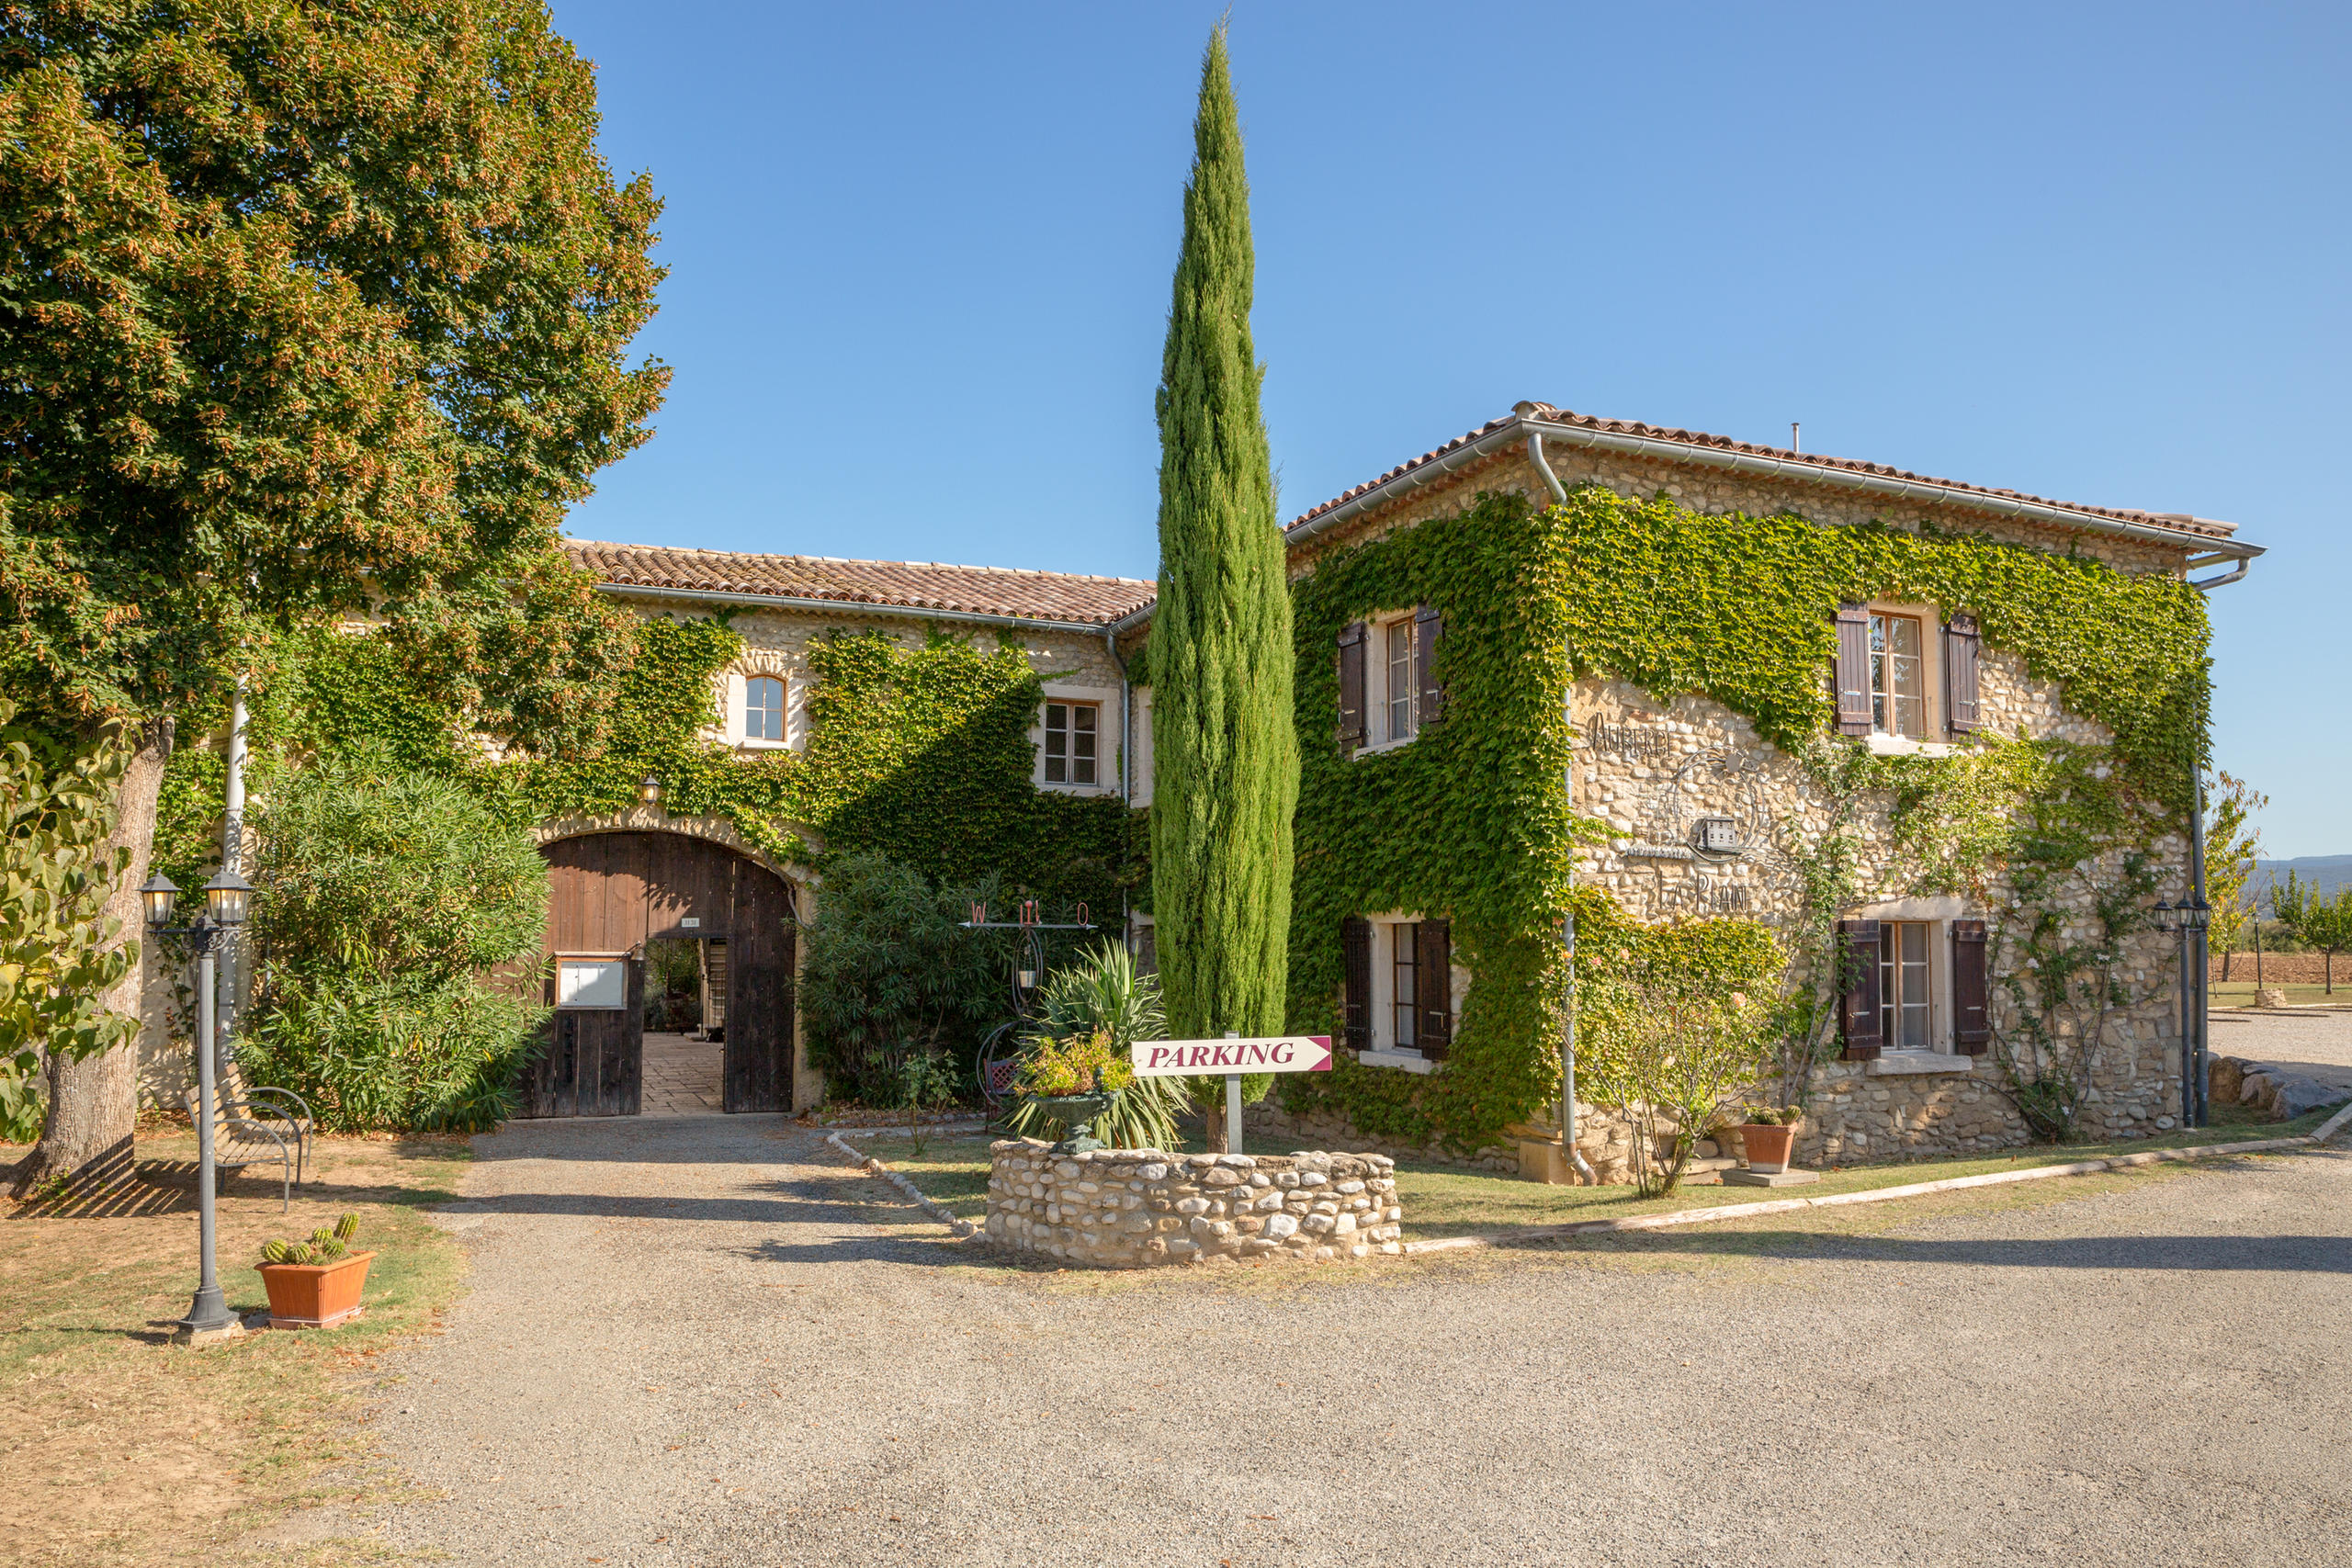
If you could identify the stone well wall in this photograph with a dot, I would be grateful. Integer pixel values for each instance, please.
(1141, 1208)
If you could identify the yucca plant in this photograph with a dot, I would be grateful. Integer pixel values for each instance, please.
(1104, 994)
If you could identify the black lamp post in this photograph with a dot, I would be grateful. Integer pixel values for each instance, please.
(2189, 918)
(225, 897)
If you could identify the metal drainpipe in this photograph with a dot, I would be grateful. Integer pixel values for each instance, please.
(1571, 1155)
(1126, 747)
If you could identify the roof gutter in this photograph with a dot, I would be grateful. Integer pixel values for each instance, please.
(864, 606)
(1534, 433)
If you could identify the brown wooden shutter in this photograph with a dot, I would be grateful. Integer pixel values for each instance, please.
(1858, 1014)
(1352, 686)
(1972, 1024)
(1852, 685)
(1427, 626)
(1433, 987)
(1961, 648)
(1355, 953)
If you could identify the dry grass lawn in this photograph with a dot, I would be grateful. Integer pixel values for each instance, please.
(121, 1447)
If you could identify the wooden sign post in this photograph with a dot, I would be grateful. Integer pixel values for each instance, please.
(1233, 1056)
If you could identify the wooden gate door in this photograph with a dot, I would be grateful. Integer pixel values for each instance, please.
(608, 894)
(594, 1060)
(759, 992)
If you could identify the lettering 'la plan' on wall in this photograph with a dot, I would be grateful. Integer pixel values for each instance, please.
(1269, 1053)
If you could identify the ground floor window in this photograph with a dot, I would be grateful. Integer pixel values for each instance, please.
(1905, 1010)
(1397, 990)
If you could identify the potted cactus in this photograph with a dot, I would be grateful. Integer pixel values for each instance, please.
(1767, 1136)
(314, 1284)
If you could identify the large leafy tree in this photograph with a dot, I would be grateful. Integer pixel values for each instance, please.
(1226, 775)
(309, 309)
(2315, 919)
(58, 953)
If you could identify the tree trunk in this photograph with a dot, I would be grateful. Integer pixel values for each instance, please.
(1213, 1122)
(93, 1102)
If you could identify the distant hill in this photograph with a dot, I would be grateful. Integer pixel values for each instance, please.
(2326, 873)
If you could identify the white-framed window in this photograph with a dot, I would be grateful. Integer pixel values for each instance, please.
(1899, 675)
(1073, 744)
(1906, 986)
(1076, 740)
(1400, 989)
(764, 708)
(1399, 694)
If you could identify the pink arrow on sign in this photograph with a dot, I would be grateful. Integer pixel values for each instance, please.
(1266, 1054)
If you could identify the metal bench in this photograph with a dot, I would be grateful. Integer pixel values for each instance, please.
(257, 1125)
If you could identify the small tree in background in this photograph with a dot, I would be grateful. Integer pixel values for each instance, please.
(59, 953)
(2316, 920)
(2232, 843)
(385, 898)
(1226, 774)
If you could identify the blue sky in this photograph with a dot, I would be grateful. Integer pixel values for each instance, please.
(919, 259)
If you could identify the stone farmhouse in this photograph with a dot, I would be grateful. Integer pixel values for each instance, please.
(1669, 637)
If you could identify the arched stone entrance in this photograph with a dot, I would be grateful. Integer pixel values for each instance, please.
(610, 893)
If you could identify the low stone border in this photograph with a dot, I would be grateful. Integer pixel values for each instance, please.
(965, 1230)
(2327, 1130)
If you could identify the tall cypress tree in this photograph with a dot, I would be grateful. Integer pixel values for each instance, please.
(1226, 776)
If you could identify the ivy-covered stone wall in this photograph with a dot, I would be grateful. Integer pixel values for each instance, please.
(2058, 822)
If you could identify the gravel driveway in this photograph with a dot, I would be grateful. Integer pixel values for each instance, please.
(2314, 1043)
(709, 1342)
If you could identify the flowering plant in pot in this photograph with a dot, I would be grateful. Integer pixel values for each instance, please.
(1768, 1134)
(314, 1284)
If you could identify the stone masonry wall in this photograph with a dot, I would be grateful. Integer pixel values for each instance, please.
(1141, 1208)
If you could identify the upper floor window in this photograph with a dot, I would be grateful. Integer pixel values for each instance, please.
(1898, 677)
(1388, 691)
(764, 708)
(1072, 737)
(1886, 680)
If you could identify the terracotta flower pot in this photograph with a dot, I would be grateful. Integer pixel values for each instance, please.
(315, 1295)
(1767, 1147)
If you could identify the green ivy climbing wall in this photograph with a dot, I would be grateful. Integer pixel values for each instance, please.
(1471, 819)
(921, 753)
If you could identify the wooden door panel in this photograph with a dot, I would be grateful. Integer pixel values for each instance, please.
(607, 892)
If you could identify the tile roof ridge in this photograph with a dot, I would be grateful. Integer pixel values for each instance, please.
(2192, 527)
(858, 560)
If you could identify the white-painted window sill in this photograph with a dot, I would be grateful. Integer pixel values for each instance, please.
(1882, 745)
(1076, 789)
(1377, 748)
(1411, 1063)
(751, 743)
(1892, 1063)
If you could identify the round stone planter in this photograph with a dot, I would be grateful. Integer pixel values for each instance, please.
(1143, 1209)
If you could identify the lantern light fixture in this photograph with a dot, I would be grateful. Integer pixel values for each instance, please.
(158, 893)
(649, 790)
(226, 896)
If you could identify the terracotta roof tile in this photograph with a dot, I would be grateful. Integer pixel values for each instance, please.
(2191, 528)
(926, 585)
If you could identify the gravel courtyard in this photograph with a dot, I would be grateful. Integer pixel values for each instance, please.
(707, 1340)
